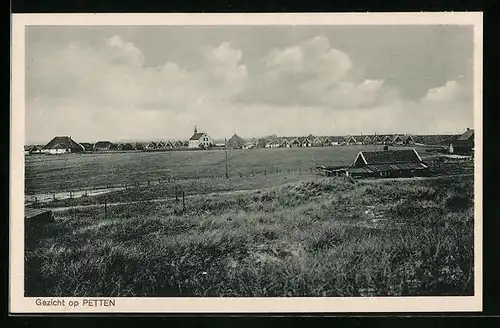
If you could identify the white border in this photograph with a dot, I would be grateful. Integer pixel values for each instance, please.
(21, 304)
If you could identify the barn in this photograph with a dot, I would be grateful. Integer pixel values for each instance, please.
(235, 142)
(464, 144)
(388, 163)
(103, 145)
(62, 145)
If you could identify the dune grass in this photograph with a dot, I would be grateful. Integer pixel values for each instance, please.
(327, 237)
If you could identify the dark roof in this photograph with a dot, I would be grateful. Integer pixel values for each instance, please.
(63, 142)
(443, 139)
(235, 140)
(197, 136)
(103, 144)
(303, 139)
(463, 143)
(390, 156)
(467, 135)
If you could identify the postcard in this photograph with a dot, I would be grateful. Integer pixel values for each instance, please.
(246, 163)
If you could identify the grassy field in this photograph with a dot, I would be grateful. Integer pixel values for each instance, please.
(46, 174)
(319, 237)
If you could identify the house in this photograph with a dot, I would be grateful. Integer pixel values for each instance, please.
(377, 139)
(349, 140)
(28, 150)
(408, 139)
(317, 141)
(435, 140)
(397, 140)
(273, 143)
(366, 140)
(285, 142)
(387, 139)
(200, 140)
(103, 145)
(125, 146)
(180, 144)
(294, 142)
(62, 145)
(235, 142)
(139, 146)
(152, 145)
(87, 146)
(305, 141)
(388, 163)
(358, 140)
(248, 145)
(464, 144)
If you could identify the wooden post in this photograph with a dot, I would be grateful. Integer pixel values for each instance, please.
(148, 182)
(105, 208)
(183, 202)
(225, 143)
(176, 194)
(36, 200)
(70, 194)
(53, 196)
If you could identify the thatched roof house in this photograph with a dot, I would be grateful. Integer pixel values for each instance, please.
(235, 142)
(61, 145)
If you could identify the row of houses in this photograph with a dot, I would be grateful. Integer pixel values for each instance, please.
(321, 141)
(65, 144)
(458, 144)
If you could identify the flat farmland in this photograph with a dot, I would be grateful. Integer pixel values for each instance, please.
(46, 174)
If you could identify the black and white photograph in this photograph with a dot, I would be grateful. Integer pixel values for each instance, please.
(250, 161)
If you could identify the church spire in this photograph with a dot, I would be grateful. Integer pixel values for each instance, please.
(195, 130)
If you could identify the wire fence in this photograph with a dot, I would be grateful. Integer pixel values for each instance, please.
(100, 189)
(437, 167)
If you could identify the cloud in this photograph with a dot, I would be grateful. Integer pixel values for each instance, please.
(114, 74)
(106, 91)
(311, 73)
(451, 91)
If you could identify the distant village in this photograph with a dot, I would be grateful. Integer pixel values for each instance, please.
(458, 144)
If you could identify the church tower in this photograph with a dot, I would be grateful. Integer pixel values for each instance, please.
(195, 130)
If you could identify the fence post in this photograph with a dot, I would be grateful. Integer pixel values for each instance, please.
(70, 194)
(148, 182)
(54, 196)
(105, 208)
(176, 194)
(36, 200)
(183, 202)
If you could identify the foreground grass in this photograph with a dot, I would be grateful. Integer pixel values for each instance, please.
(318, 238)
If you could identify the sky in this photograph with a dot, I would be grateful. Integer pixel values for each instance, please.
(122, 83)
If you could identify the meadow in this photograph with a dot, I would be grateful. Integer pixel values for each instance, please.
(46, 174)
(318, 237)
